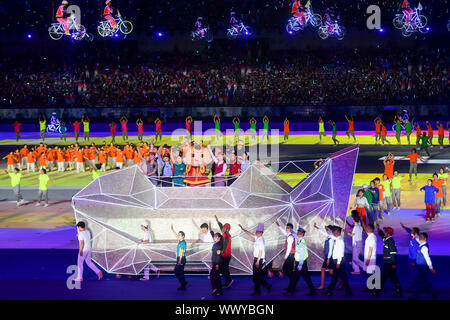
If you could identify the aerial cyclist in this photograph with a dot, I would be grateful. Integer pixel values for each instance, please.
(199, 27)
(407, 12)
(328, 20)
(61, 16)
(234, 22)
(108, 14)
(298, 11)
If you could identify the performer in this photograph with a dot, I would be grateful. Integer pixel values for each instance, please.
(108, 14)
(199, 27)
(84, 238)
(61, 14)
(337, 254)
(424, 143)
(389, 162)
(351, 127)
(123, 123)
(158, 130)
(85, 121)
(42, 126)
(300, 266)
(384, 134)
(387, 193)
(408, 130)
(216, 120)
(438, 199)
(147, 238)
(286, 129)
(414, 243)
(181, 258)
(441, 134)
(226, 253)
(357, 241)
(16, 126)
(216, 263)
(266, 127)
(253, 128)
(196, 166)
(234, 22)
(43, 179)
(327, 262)
(369, 194)
(430, 199)
(63, 131)
(377, 123)
(220, 168)
(396, 190)
(360, 205)
(189, 126)
(413, 157)
(298, 11)
(140, 125)
(389, 261)
(289, 249)
(430, 134)
(398, 128)
(423, 262)
(236, 123)
(321, 129)
(370, 251)
(76, 129)
(444, 176)
(15, 177)
(333, 137)
(259, 251)
(113, 127)
(418, 134)
(407, 11)
(179, 171)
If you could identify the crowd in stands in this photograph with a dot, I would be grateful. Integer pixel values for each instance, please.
(282, 78)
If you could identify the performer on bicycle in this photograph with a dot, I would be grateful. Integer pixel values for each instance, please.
(407, 11)
(108, 14)
(328, 21)
(234, 22)
(60, 16)
(298, 11)
(199, 27)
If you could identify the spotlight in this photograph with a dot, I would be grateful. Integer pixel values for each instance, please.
(290, 32)
(160, 34)
(29, 36)
(381, 30)
(428, 29)
(116, 35)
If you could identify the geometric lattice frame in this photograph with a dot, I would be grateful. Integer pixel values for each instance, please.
(114, 205)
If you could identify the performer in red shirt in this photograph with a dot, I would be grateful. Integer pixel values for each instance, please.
(226, 253)
(108, 14)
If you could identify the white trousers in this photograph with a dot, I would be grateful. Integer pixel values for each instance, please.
(81, 259)
(80, 167)
(61, 166)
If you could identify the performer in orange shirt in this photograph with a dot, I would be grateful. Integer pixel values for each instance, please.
(102, 159)
(78, 154)
(31, 158)
(60, 159)
(18, 159)
(10, 156)
(108, 14)
(351, 127)
(24, 154)
(42, 161)
(389, 165)
(438, 197)
(286, 129)
(377, 123)
(60, 13)
(119, 160)
(112, 154)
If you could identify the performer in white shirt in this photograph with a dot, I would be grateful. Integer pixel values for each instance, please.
(206, 234)
(84, 238)
(259, 254)
(339, 264)
(147, 238)
(357, 242)
(289, 249)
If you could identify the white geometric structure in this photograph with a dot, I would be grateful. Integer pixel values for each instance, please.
(114, 205)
